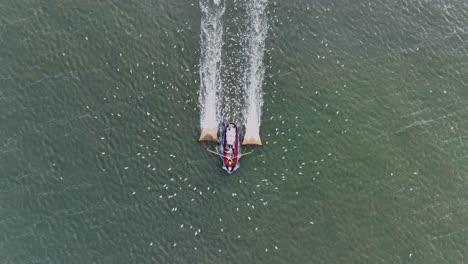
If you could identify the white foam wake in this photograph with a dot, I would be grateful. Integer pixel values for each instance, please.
(211, 85)
(254, 70)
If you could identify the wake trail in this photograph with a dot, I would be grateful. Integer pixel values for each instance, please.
(211, 85)
(216, 104)
(254, 71)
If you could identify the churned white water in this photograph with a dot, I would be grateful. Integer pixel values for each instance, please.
(254, 70)
(211, 85)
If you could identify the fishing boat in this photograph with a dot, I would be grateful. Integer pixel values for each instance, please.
(229, 147)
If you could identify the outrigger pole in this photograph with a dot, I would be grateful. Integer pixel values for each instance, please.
(214, 152)
(243, 154)
(238, 156)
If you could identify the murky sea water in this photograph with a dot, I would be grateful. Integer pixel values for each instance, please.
(364, 127)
